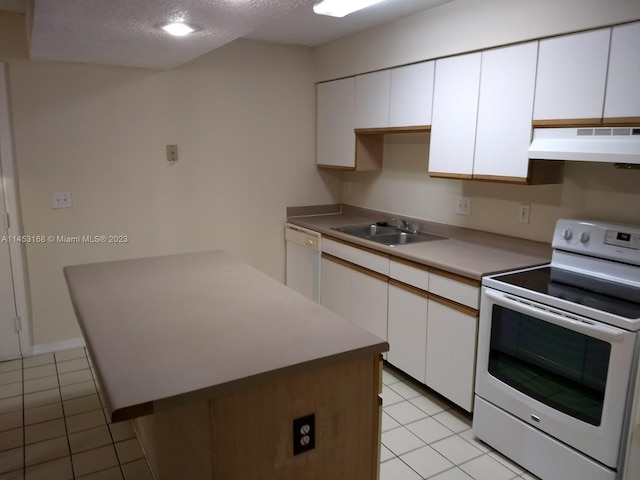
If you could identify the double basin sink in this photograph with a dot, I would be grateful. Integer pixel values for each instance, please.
(386, 234)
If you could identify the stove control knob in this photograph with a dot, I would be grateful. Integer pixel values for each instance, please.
(567, 234)
(584, 237)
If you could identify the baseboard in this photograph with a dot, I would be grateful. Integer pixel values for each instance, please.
(58, 346)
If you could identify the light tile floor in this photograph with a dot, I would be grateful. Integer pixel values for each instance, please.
(53, 426)
(425, 437)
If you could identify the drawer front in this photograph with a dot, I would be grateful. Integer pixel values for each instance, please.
(463, 291)
(363, 258)
(411, 275)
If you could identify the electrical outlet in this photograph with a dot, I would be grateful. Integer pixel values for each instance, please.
(523, 213)
(304, 434)
(463, 205)
(61, 200)
(346, 187)
(172, 154)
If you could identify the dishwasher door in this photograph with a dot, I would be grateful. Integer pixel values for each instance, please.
(303, 261)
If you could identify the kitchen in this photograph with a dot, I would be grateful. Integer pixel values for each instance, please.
(244, 119)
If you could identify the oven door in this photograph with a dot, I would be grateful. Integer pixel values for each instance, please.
(561, 373)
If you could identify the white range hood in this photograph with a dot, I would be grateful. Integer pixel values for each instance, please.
(612, 145)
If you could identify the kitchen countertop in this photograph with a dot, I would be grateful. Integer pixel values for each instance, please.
(466, 252)
(162, 331)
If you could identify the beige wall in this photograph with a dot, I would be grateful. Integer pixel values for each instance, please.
(461, 26)
(243, 118)
(589, 191)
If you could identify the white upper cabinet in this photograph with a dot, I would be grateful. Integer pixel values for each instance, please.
(372, 99)
(411, 95)
(335, 142)
(623, 83)
(572, 72)
(455, 108)
(503, 135)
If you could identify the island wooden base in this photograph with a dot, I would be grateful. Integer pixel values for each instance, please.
(248, 434)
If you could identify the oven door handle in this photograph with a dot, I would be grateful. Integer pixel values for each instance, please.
(603, 332)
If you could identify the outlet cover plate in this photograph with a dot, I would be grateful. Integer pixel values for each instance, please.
(463, 205)
(61, 200)
(304, 434)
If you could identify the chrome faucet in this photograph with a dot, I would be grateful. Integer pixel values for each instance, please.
(404, 226)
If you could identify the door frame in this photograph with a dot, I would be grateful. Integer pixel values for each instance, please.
(17, 251)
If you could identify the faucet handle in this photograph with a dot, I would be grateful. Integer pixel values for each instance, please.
(406, 226)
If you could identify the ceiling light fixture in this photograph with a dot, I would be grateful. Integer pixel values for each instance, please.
(178, 29)
(341, 8)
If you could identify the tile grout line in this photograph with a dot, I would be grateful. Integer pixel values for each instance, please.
(520, 474)
(515, 475)
(64, 415)
(103, 406)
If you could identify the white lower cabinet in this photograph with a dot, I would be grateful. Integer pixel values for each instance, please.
(369, 302)
(335, 287)
(355, 294)
(432, 339)
(408, 330)
(451, 352)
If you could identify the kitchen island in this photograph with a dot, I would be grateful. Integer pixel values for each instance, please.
(213, 361)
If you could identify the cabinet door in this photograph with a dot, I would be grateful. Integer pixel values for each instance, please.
(623, 82)
(335, 142)
(407, 331)
(372, 99)
(571, 78)
(503, 135)
(411, 95)
(455, 108)
(369, 302)
(335, 288)
(451, 352)
(354, 295)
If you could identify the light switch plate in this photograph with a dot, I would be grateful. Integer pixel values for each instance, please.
(172, 154)
(61, 200)
(523, 213)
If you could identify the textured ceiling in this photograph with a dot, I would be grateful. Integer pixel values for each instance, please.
(125, 32)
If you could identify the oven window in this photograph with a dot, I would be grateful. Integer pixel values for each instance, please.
(564, 369)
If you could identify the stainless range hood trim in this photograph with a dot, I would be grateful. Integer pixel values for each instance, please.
(569, 144)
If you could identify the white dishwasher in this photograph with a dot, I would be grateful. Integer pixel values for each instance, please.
(303, 261)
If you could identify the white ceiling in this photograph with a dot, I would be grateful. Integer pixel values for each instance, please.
(124, 32)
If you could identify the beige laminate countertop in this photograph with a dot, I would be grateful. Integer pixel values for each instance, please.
(162, 331)
(466, 252)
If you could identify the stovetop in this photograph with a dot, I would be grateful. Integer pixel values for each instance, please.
(609, 297)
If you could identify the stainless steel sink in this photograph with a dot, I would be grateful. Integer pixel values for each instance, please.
(404, 238)
(369, 229)
(387, 234)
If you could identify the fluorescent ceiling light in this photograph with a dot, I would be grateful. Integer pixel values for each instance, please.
(341, 8)
(178, 29)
